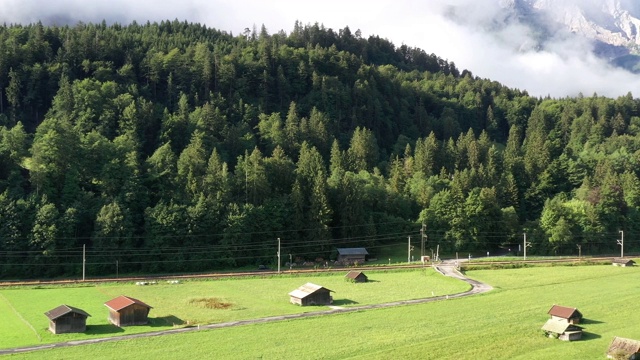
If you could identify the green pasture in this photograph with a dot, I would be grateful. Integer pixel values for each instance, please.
(189, 303)
(502, 324)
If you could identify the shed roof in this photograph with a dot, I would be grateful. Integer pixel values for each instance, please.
(63, 310)
(559, 327)
(628, 346)
(354, 274)
(122, 302)
(623, 261)
(564, 312)
(352, 251)
(306, 290)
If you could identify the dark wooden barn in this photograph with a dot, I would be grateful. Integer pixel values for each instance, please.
(622, 348)
(351, 256)
(567, 314)
(126, 311)
(623, 262)
(311, 294)
(67, 319)
(356, 276)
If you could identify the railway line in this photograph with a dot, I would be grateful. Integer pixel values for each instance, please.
(232, 274)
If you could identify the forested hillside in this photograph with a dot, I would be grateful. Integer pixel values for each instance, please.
(175, 147)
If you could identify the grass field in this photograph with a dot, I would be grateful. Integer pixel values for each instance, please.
(201, 302)
(502, 324)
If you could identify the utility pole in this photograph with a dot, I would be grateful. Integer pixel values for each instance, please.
(526, 245)
(409, 249)
(246, 183)
(84, 260)
(423, 236)
(278, 255)
(621, 243)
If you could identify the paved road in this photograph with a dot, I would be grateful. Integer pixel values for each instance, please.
(446, 268)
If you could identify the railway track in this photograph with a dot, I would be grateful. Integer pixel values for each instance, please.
(215, 275)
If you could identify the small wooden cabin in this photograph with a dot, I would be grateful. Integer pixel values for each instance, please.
(356, 276)
(67, 319)
(567, 314)
(311, 294)
(127, 311)
(623, 262)
(562, 330)
(622, 348)
(350, 256)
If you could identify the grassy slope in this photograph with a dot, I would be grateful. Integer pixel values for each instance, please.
(174, 304)
(503, 324)
(12, 328)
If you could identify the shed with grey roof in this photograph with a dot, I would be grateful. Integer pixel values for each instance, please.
(356, 276)
(67, 319)
(562, 330)
(622, 262)
(351, 256)
(311, 294)
(622, 348)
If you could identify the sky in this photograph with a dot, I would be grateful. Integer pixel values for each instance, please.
(454, 30)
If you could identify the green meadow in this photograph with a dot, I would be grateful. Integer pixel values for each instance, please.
(191, 303)
(502, 324)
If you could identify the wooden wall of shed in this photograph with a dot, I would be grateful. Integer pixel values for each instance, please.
(134, 315)
(351, 259)
(360, 278)
(295, 300)
(69, 323)
(114, 317)
(319, 297)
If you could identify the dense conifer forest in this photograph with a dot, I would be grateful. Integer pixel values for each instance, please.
(174, 147)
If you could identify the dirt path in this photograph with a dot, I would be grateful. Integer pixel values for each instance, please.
(446, 268)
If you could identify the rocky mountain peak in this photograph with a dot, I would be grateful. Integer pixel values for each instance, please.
(615, 24)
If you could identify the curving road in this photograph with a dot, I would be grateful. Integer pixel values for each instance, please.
(446, 268)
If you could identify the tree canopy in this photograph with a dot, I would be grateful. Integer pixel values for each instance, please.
(172, 146)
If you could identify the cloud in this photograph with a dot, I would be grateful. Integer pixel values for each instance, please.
(476, 35)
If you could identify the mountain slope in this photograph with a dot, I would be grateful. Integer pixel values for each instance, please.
(612, 25)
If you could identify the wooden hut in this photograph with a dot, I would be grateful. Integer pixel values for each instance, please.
(623, 262)
(356, 276)
(126, 311)
(311, 294)
(67, 319)
(350, 256)
(622, 348)
(567, 314)
(562, 330)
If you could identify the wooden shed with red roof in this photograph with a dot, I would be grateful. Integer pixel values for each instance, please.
(67, 319)
(563, 313)
(127, 311)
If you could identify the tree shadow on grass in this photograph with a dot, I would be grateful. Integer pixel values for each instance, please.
(342, 302)
(584, 321)
(169, 320)
(586, 336)
(103, 329)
